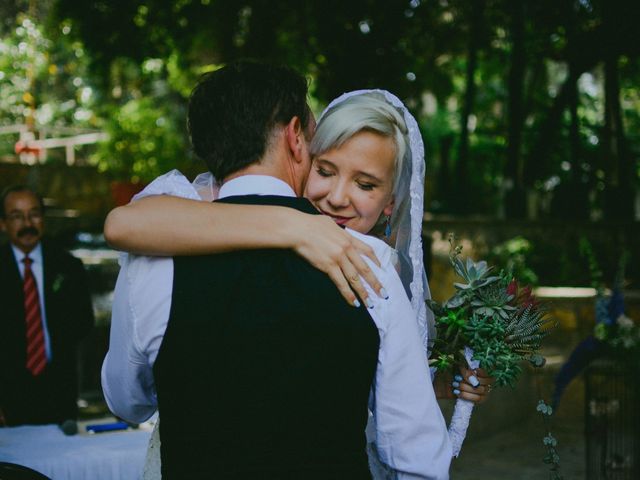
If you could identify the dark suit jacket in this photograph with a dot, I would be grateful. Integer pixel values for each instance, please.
(264, 371)
(50, 397)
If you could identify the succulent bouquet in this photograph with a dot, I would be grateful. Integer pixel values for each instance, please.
(491, 322)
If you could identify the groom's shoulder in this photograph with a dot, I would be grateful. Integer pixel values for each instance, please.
(297, 203)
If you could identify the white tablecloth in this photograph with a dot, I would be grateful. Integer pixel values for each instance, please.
(103, 456)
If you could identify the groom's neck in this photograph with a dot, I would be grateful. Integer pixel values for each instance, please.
(272, 167)
(257, 170)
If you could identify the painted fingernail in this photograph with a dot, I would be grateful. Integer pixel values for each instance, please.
(356, 303)
(455, 384)
(369, 302)
(474, 381)
(456, 392)
(384, 293)
(458, 378)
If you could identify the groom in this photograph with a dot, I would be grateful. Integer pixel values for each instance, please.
(260, 367)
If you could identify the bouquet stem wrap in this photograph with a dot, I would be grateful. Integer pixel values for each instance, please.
(461, 412)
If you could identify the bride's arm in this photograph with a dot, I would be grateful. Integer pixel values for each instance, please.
(167, 225)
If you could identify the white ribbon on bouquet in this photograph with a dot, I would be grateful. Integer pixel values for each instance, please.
(462, 411)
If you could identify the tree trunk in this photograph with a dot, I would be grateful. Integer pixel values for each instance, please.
(444, 186)
(463, 198)
(618, 167)
(575, 200)
(620, 175)
(538, 164)
(573, 195)
(516, 197)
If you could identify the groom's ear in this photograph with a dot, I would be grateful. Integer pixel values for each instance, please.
(294, 135)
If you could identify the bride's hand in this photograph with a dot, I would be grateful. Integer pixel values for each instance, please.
(333, 251)
(472, 385)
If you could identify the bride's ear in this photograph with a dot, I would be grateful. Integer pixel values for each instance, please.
(388, 210)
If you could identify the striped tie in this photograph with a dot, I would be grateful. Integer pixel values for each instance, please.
(36, 354)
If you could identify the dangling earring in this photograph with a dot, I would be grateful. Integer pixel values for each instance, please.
(387, 227)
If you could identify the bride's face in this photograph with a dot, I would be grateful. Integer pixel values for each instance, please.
(354, 183)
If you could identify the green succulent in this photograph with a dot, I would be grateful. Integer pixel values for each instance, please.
(493, 300)
(480, 328)
(442, 362)
(458, 300)
(537, 360)
(526, 329)
(474, 274)
(452, 321)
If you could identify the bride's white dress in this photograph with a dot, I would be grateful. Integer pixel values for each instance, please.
(152, 462)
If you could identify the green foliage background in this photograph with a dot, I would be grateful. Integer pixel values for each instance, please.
(530, 109)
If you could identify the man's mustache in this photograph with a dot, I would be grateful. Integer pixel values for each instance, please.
(28, 231)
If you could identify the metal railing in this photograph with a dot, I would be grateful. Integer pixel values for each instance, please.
(612, 423)
(32, 146)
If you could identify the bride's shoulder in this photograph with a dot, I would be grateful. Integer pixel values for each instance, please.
(384, 252)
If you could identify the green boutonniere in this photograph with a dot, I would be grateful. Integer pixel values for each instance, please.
(57, 283)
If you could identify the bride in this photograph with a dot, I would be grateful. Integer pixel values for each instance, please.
(367, 174)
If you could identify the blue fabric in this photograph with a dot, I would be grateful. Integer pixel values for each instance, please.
(602, 311)
(586, 351)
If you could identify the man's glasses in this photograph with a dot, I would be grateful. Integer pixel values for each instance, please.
(18, 217)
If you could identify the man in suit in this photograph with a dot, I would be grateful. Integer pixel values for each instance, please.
(46, 311)
(258, 367)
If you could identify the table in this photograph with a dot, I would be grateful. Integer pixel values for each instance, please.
(103, 456)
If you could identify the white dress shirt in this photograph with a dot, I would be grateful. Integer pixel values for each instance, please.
(411, 434)
(38, 272)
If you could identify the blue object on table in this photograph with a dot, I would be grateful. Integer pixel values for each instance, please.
(107, 427)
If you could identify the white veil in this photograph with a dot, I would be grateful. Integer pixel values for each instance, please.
(406, 219)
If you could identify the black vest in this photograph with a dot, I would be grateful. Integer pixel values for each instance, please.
(264, 371)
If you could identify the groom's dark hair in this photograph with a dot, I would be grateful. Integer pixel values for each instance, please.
(232, 112)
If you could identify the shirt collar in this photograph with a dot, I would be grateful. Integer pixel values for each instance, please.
(35, 255)
(255, 185)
